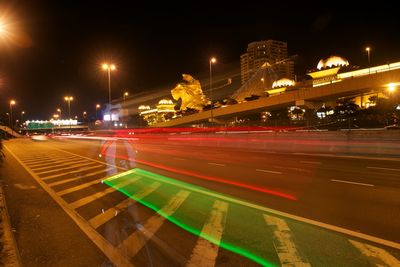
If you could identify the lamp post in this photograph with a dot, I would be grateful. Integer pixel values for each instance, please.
(59, 112)
(368, 49)
(22, 116)
(69, 99)
(97, 107)
(212, 61)
(109, 67)
(12, 103)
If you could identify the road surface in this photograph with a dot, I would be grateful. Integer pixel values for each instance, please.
(159, 204)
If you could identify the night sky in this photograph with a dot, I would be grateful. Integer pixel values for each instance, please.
(62, 44)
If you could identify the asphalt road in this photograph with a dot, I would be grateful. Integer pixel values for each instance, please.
(354, 193)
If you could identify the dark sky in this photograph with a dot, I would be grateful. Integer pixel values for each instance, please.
(153, 44)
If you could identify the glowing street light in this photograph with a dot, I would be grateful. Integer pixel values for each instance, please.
(391, 87)
(59, 112)
(22, 116)
(69, 99)
(109, 67)
(97, 107)
(368, 49)
(212, 61)
(12, 103)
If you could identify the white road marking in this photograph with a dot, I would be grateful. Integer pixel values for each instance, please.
(284, 243)
(73, 172)
(310, 162)
(284, 214)
(274, 172)
(114, 254)
(349, 182)
(216, 164)
(58, 164)
(78, 187)
(205, 253)
(376, 256)
(381, 168)
(133, 243)
(55, 169)
(77, 178)
(104, 217)
(86, 200)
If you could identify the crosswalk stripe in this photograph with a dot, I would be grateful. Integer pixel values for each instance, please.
(102, 218)
(378, 256)
(48, 163)
(78, 187)
(66, 168)
(58, 164)
(73, 172)
(44, 158)
(283, 243)
(205, 253)
(77, 178)
(83, 201)
(137, 239)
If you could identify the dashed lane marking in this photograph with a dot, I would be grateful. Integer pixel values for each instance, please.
(350, 182)
(216, 164)
(381, 168)
(268, 171)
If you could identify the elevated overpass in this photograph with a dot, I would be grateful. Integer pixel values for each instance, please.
(347, 84)
(9, 131)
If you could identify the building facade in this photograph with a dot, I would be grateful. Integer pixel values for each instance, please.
(270, 52)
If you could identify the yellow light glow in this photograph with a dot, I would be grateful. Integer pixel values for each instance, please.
(367, 49)
(391, 87)
(112, 67)
(213, 60)
(68, 98)
(12, 102)
(126, 94)
(98, 106)
(58, 110)
(22, 112)
(104, 66)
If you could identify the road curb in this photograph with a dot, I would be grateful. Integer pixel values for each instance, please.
(9, 253)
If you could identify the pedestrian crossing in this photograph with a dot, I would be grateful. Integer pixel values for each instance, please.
(132, 209)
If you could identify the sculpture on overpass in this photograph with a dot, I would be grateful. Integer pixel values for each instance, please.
(190, 93)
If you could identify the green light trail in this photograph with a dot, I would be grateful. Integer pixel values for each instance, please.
(116, 179)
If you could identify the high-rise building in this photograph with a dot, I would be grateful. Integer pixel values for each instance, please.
(270, 51)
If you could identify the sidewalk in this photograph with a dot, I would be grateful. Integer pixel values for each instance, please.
(9, 255)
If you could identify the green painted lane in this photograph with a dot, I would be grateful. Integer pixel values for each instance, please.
(266, 238)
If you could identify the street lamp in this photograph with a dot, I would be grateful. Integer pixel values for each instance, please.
(12, 103)
(212, 61)
(125, 95)
(109, 67)
(69, 99)
(97, 107)
(262, 80)
(59, 112)
(22, 116)
(368, 49)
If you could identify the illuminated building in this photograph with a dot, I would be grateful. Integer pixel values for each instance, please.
(164, 111)
(270, 51)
